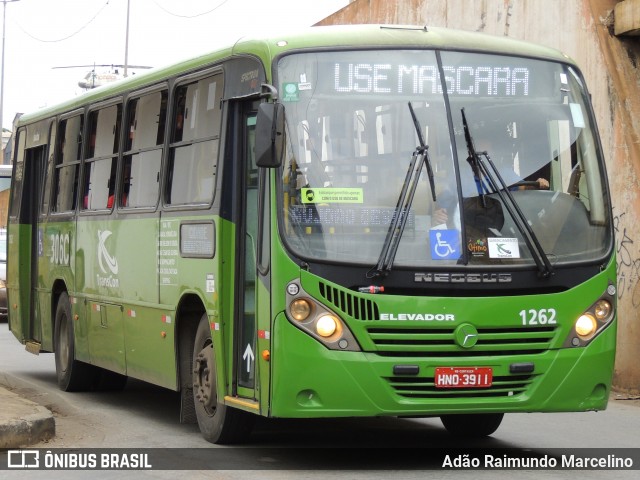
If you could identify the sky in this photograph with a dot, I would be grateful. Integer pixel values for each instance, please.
(43, 35)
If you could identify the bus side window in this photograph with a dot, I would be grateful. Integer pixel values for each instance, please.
(193, 155)
(18, 174)
(67, 161)
(102, 154)
(143, 150)
(44, 207)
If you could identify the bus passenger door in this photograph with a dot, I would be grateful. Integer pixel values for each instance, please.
(252, 297)
(27, 243)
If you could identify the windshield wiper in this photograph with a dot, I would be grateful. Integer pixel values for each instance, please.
(489, 171)
(419, 158)
(474, 161)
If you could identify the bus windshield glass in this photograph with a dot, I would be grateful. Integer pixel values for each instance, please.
(351, 138)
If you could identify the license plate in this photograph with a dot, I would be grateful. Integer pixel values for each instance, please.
(463, 377)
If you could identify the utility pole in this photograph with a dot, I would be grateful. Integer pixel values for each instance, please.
(4, 16)
(126, 42)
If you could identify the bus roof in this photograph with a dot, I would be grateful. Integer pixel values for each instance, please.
(341, 36)
(406, 36)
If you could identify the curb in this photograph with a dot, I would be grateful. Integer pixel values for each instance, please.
(23, 422)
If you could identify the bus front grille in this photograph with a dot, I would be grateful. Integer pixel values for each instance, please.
(439, 342)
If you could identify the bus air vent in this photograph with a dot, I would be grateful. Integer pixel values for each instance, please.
(350, 304)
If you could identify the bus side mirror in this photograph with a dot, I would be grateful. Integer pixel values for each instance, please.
(270, 135)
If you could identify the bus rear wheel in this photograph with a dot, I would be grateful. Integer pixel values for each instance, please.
(218, 423)
(72, 374)
(474, 425)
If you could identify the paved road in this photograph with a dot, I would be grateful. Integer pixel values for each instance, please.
(145, 416)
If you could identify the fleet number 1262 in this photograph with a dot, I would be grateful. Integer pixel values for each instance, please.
(543, 316)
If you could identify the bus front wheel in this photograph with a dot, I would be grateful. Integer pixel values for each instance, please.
(474, 425)
(218, 423)
(72, 374)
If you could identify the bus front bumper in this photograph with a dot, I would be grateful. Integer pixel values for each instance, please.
(310, 380)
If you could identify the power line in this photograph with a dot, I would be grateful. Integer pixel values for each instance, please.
(68, 36)
(189, 16)
(32, 36)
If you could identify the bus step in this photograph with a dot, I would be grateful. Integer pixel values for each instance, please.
(242, 403)
(32, 347)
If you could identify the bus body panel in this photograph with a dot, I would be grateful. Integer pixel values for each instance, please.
(57, 268)
(19, 244)
(120, 324)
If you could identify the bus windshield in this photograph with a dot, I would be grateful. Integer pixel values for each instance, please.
(351, 138)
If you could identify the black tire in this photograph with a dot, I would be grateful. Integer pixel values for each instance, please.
(73, 375)
(474, 425)
(218, 423)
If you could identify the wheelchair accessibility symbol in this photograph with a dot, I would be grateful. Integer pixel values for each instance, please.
(445, 244)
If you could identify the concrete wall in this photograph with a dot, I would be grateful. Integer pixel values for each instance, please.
(627, 15)
(584, 30)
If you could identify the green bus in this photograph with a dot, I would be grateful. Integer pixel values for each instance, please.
(345, 221)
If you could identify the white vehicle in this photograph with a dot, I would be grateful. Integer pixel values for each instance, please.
(5, 185)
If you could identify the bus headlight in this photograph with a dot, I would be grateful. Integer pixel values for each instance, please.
(326, 325)
(593, 320)
(316, 320)
(586, 325)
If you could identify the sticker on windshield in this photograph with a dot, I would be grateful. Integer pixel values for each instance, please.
(503, 248)
(445, 244)
(304, 85)
(477, 248)
(576, 115)
(290, 92)
(332, 195)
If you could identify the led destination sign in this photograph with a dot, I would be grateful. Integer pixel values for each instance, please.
(409, 73)
(470, 80)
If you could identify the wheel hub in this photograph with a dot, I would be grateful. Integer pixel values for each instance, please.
(204, 389)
